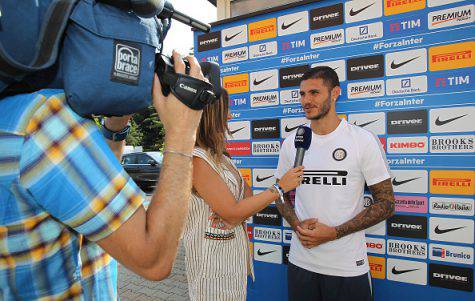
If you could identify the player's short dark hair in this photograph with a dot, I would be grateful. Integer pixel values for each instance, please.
(327, 74)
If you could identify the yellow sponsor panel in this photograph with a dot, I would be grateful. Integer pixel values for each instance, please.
(377, 266)
(392, 7)
(246, 175)
(342, 116)
(251, 249)
(452, 56)
(238, 83)
(265, 29)
(452, 182)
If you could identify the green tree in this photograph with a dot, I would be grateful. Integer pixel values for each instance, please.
(150, 130)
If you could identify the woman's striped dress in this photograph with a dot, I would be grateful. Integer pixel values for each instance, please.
(217, 261)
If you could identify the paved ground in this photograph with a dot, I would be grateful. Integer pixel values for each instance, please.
(135, 288)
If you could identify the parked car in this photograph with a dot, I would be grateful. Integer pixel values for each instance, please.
(143, 167)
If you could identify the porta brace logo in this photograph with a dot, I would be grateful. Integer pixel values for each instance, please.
(126, 63)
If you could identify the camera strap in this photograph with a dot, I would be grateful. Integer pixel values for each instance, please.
(191, 91)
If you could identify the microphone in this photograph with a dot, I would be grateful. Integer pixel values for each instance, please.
(169, 12)
(302, 142)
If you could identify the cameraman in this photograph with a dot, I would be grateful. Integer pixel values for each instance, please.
(66, 203)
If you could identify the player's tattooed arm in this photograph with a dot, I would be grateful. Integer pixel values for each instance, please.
(287, 211)
(381, 209)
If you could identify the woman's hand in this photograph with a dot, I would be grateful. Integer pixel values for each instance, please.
(291, 179)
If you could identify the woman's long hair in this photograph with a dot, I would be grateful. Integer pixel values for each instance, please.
(211, 133)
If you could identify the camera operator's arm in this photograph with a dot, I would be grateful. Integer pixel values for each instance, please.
(116, 124)
(147, 243)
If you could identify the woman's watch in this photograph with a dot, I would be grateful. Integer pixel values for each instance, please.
(114, 136)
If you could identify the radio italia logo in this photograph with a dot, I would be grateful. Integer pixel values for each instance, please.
(460, 182)
(452, 56)
(392, 7)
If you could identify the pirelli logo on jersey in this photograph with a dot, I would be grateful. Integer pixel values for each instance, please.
(452, 56)
(459, 182)
(392, 7)
(238, 83)
(325, 177)
(265, 29)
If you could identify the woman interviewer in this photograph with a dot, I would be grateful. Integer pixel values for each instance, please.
(216, 243)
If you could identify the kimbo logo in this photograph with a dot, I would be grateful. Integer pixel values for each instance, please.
(126, 63)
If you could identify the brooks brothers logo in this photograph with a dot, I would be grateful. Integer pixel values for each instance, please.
(365, 67)
(339, 154)
(452, 56)
(209, 41)
(326, 16)
(360, 10)
(268, 216)
(293, 23)
(407, 249)
(452, 144)
(392, 7)
(267, 148)
(126, 63)
(325, 177)
(234, 35)
(290, 77)
(451, 17)
(451, 277)
(268, 234)
(407, 271)
(408, 226)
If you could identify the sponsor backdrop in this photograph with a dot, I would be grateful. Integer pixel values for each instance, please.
(406, 70)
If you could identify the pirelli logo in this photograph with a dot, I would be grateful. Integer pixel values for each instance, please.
(459, 182)
(453, 56)
(238, 83)
(377, 267)
(392, 7)
(265, 29)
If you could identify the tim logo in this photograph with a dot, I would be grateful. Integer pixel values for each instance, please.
(404, 25)
(126, 63)
(292, 45)
(452, 81)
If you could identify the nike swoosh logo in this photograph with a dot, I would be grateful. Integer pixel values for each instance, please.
(397, 272)
(397, 183)
(258, 82)
(235, 131)
(262, 179)
(442, 231)
(260, 253)
(355, 12)
(442, 122)
(365, 124)
(396, 66)
(287, 129)
(227, 39)
(284, 27)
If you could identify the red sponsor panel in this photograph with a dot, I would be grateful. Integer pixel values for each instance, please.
(383, 142)
(249, 231)
(238, 148)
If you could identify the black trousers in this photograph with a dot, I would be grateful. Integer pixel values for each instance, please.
(309, 286)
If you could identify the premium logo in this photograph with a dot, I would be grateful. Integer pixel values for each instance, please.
(456, 119)
(326, 16)
(459, 182)
(263, 50)
(289, 96)
(452, 56)
(411, 181)
(270, 253)
(451, 17)
(452, 277)
(288, 125)
(452, 144)
(392, 7)
(325, 177)
(339, 67)
(127, 63)
(234, 36)
(264, 80)
(327, 38)
(267, 148)
(268, 216)
(407, 122)
(292, 23)
(451, 230)
(373, 122)
(263, 177)
(448, 253)
(415, 204)
(376, 245)
(238, 148)
(239, 130)
(235, 55)
(246, 175)
(407, 226)
(410, 249)
(406, 62)
(238, 83)
(290, 77)
(377, 266)
(433, 3)
(360, 10)
(209, 41)
(264, 99)
(451, 206)
(406, 85)
(366, 89)
(365, 67)
(268, 234)
(364, 32)
(407, 271)
(407, 145)
(261, 30)
(265, 129)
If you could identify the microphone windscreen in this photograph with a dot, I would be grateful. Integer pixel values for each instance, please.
(303, 138)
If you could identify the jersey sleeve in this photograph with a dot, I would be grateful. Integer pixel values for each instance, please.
(373, 160)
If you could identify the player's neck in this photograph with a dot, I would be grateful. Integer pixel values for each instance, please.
(325, 125)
